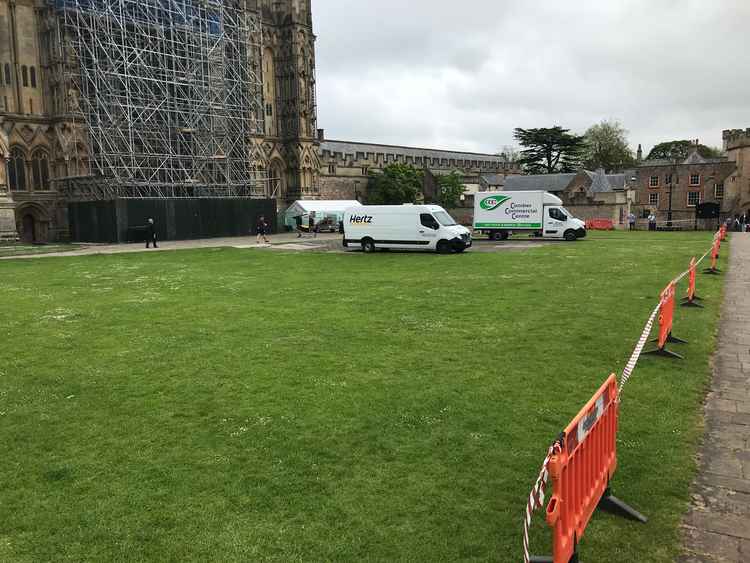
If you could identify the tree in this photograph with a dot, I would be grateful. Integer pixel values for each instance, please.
(450, 190)
(398, 183)
(511, 153)
(679, 150)
(607, 147)
(549, 150)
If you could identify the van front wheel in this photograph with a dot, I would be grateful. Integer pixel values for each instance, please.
(368, 245)
(443, 247)
(571, 236)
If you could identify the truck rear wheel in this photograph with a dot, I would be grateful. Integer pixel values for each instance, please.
(368, 245)
(571, 236)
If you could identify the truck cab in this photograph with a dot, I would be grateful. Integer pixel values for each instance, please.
(560, 223)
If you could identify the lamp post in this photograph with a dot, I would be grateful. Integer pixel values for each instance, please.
(671, 185)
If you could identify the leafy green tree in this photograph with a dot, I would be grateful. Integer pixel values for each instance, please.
(398, 183)
(679, 150)
(607, 147)
(549, 150)
(450, 190)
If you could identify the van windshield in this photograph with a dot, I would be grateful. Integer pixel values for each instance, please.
(445, 219)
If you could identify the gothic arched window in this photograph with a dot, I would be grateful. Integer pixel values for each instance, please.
(17, 170)
(7, 74)
(40, 170)
(25, 76)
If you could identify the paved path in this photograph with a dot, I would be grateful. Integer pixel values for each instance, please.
(277, 241)
(717, 528)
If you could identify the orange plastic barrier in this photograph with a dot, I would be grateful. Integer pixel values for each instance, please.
(581, 470)
(666, 321)
(714, 257)
(692, 299)
(600, 225)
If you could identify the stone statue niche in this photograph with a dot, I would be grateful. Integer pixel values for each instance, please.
(8, 230)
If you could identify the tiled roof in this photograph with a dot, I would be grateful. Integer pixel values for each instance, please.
(546, 182)
(352, 148)
(690, 160)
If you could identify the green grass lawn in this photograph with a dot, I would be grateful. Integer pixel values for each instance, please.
(242, 405)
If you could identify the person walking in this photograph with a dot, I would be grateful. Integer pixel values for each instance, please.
(631, 221)
(151, 233)
(311, 225)
(261, 228)
(652, 222)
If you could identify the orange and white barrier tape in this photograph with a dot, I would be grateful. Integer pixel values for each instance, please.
(537, 495)
(536, 499)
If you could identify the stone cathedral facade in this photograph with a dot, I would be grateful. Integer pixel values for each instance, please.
(44, 146)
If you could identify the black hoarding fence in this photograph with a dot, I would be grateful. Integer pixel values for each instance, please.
(125, 220)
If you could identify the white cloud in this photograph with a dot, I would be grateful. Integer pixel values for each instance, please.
(464, 75)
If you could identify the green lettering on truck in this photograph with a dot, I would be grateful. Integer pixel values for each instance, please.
(508, 225)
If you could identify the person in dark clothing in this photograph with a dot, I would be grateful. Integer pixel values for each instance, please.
(151, 233)
(261, 229)
(311, 225)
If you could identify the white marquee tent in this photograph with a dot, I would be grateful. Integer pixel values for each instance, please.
(332, 209)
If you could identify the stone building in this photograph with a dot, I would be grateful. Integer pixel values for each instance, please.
(737, 148)
(36, 133)
(345, 165)
(44, 143)
(46, 140)
(696, 180)
(588, 195)
(289, 148)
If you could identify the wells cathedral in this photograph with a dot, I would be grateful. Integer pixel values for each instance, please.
(103, 100)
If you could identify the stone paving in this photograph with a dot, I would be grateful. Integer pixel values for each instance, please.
(288, 241)
(717, 527)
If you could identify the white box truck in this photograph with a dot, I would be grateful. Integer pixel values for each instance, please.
(418, 227)
(500, 214)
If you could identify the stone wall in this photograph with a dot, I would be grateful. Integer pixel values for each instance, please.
(343, 187)
(710, 174)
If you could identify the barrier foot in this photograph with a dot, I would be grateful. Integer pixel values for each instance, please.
(712, 271)
(614, 505)
(663, 352)
(692, 303)
(675, 340)
(547, 559)
(695, 298)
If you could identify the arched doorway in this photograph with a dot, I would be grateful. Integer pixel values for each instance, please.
(33, 223)
(28, 228)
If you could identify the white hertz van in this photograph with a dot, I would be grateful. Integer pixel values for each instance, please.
(500, 214)
(419, 227)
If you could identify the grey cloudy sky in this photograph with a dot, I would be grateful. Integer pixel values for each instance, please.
(464, 74)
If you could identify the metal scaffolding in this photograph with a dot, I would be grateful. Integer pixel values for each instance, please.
(171, 95)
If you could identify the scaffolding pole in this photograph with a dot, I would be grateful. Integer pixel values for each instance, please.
(170, 93)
